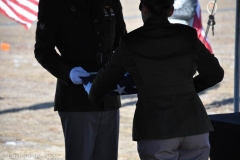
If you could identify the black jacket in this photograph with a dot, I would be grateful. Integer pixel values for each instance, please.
(162, 59)
(81, 31)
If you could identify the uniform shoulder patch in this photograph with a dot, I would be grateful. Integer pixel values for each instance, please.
(41, 27)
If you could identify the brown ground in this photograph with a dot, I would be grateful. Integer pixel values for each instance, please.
(28, 125)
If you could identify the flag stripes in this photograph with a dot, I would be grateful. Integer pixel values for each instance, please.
(22, 11)
(197, 24)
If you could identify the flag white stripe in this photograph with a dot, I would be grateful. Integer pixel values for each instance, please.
(11, 14)
(202, 32)
(21, 11)
(29, 5)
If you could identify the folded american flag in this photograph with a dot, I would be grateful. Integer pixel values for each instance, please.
(125, 87)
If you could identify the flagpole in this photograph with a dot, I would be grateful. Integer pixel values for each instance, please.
(211, 21)
(237, 59)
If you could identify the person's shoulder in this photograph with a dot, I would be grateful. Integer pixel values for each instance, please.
(116, 3)
(184, 28)
(43, 2)
(50, 8)
(133, 38)
(52, 4)
(134, 33)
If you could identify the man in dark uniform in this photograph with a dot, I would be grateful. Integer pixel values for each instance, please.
(74, 38)
(170, 121)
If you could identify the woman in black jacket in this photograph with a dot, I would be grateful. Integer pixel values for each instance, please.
(170, 121)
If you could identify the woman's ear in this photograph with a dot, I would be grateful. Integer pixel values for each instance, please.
(144, 9)
(170, 12)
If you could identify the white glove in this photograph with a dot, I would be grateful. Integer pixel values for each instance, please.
(87, 87)
(76, 73)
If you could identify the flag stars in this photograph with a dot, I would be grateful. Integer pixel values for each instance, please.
(120, 89)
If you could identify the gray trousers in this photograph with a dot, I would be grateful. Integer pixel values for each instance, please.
(195, 147)
(91, 135)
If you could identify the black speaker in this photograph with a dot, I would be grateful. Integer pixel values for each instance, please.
(225, 139)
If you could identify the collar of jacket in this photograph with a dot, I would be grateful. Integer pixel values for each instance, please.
(156, 20)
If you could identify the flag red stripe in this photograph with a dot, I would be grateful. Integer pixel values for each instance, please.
(34, 2)
(197, 24)
(20, 16)
(28, 14)
(25, 8)
(4, 13)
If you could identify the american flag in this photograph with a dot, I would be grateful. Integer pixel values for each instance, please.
(197, 24)
(125, 87)
(23, 11)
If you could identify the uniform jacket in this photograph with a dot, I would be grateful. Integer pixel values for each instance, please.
(162, 59)
(74, 33)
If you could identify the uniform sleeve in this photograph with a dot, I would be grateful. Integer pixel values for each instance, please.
(186, 12)
(120, 26)
(209, 70)
(46, 38)
(109, 76)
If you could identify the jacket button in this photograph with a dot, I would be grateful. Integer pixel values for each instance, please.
(97, 32)
(95, 20)
(73, 8)
(100, 44)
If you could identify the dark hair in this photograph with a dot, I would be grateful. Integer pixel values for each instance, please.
(158, 7)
